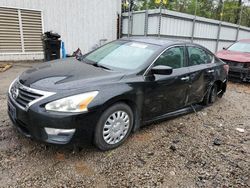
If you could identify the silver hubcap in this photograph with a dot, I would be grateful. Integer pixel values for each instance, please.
(116, 127)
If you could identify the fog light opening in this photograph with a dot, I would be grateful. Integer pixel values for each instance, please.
(59, 136)
(57, 132)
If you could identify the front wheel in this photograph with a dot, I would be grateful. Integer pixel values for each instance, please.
(113, 127)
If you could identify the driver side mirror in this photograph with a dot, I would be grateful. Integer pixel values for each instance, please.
(162, 70)
(224, 48)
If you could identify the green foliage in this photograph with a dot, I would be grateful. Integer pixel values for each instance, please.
(214, 9)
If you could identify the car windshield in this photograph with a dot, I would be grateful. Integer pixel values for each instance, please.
(122, 55)
(240, 47)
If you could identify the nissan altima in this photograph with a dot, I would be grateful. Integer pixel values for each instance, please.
(114, 90)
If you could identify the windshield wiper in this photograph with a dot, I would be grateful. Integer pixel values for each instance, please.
(95, 64)
(98, 65)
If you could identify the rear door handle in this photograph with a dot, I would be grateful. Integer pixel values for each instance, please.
(185, 78)
(210, 71)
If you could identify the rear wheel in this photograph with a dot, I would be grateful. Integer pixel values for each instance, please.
(113, 127)
(211, 95)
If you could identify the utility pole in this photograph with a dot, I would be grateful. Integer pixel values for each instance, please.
(219, 29)
(239, 22)
(195, 10)
(241, 11)
(222, 11)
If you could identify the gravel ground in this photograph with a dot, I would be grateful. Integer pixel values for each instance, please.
(210, 148)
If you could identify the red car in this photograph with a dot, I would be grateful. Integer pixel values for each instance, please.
(237, 56)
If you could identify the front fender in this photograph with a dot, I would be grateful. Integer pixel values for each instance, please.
(132, 96)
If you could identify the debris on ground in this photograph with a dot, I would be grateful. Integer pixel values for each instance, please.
(240, 130)
(5, 66)
(217, 142)
(172, 147)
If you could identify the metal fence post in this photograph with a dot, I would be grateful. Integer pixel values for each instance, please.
(218, 37)
(237, 34)
(238, 29)
(131, 23)
(120, 18)
(194, 20)
(160, 15)
(146, 23)
(129, 18)
(128, 23)
(193, 29)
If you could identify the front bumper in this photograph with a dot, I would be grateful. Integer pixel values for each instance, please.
(32, 124)
(239, 73)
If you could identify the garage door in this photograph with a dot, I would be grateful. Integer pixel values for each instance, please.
(20, 30)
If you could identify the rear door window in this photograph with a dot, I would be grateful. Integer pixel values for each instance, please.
(198, 56)
(173, 57)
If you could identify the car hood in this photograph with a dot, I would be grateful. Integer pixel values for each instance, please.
(234, 56)
(67, 74)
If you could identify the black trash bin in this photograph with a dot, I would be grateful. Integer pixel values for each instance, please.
(52, 46)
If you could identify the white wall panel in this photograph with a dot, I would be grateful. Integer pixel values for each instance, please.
(206, 43)
(228, 33)
(153, 25)
(176, 27)
(243, 34)
(138, 24)
(81, 23)
(205, 30)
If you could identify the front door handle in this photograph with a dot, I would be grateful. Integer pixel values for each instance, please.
(210, 71)
(185, 78)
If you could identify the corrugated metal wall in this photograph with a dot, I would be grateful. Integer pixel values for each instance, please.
(81, 23)
(212, 34)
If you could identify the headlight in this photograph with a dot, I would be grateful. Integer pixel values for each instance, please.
(76, 103)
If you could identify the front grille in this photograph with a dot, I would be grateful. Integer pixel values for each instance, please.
(234, 74)
(23, 95)
(235, 64)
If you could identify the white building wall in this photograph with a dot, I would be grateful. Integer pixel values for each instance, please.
(81, 23)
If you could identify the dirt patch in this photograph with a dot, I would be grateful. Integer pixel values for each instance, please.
(203, 149)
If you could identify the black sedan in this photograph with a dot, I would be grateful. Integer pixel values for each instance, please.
(114, 90)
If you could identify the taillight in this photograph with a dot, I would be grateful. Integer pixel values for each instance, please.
(226, 67)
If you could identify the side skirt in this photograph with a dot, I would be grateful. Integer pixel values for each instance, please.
(186, 110)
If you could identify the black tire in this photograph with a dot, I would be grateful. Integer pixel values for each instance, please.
(213, 94)
(205, 101)
(98, 135)
(209, 97)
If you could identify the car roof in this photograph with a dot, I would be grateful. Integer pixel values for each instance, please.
(160, 41)
(163, 42)
(245, 40)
